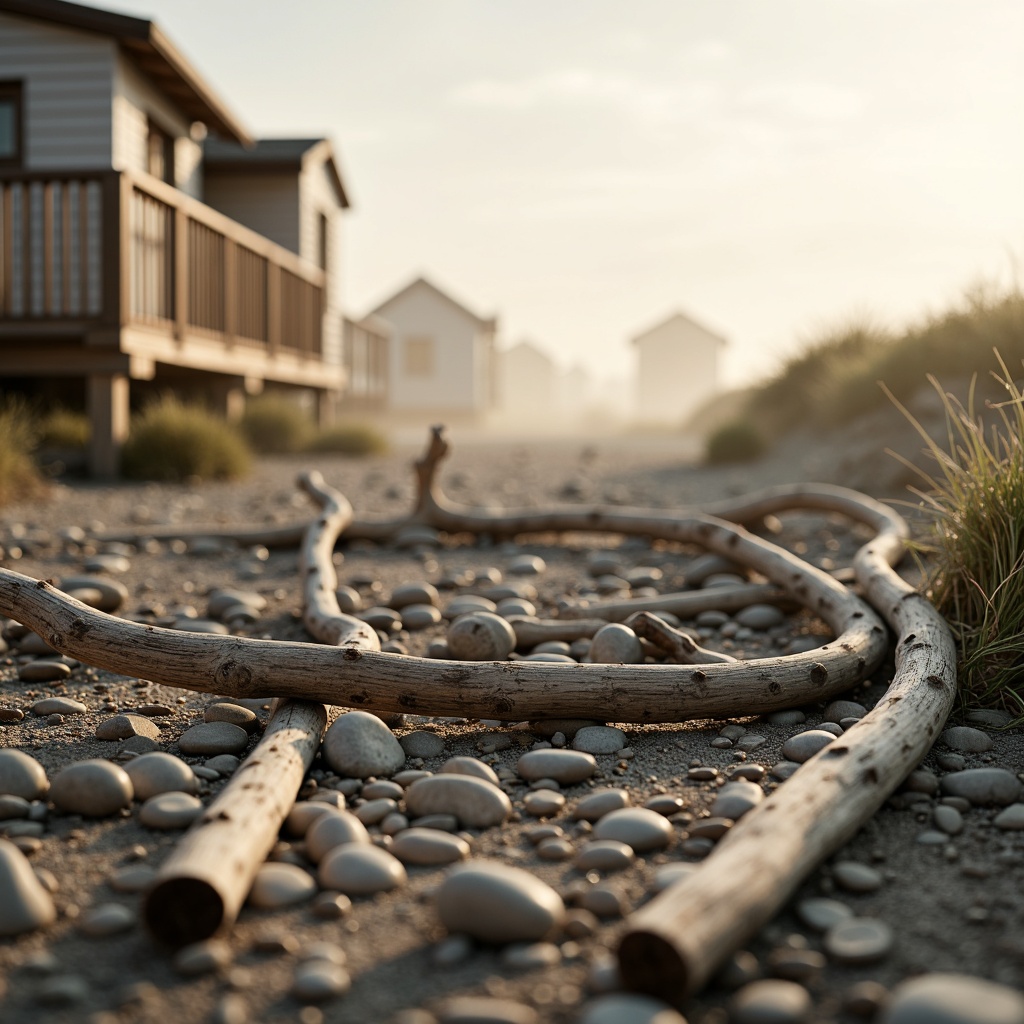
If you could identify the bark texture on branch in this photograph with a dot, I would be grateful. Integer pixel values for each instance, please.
(680, 646)
(202, 885)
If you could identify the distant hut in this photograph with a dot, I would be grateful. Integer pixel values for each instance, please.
(526, 385)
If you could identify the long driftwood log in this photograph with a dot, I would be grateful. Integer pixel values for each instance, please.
(202, 885)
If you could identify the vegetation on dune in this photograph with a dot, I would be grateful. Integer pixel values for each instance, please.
(349, 439)
(19, 477)
(740, 440)
(172, 441)
(275, 425)
(63, 428)
(975, 500)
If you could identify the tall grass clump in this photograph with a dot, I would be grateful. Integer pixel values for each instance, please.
(349, 439)
(975, 499)
(173, 442)
(273, 425)
(19, 478)
(740, 440)
(63, 428)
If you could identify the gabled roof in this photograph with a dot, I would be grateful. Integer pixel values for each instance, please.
(150, 49)
(682, 318)
(527, 346)
(490, 324)
(272, 155)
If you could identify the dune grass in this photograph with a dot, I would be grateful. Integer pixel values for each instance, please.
(355, 439)
(274, 425)
(19, 477)
(975, 501)
(63, 428)
(739, 440)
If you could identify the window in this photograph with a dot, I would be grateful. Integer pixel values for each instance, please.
(322, 240)
(159, 153)
(11, 139)
(418, 357)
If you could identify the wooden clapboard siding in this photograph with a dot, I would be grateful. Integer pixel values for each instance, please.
(267, 202)
(68, 78)
(317, 196)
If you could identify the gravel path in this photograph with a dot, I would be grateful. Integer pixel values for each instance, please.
(933, 883)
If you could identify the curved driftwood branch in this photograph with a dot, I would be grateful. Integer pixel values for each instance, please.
(675, 943)
(674, 642)
(686, 604)
(202, 885)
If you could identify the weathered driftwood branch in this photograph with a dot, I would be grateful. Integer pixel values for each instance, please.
(530, 632)
(202, 885)
(674, 642)
(686, 604)
(675, 943)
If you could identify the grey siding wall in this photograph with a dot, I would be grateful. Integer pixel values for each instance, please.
(316, 197)
(67, 78)
(267, 203)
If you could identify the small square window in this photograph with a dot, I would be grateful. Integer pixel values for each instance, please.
(418, 357)
(11, 144)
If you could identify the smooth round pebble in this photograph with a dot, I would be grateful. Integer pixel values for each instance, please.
(770, 1001)
(497, 903)
(603, 855)
(124, 727)
(616, 644)
(485, 1010)
(172, 810)
(107, 919)
(209, 738)
(58, 706)
(1011, 819)
(476, 803)
(464, 765)
(735, 799)
(840, 709)
(44, 670)
(24, 904)
(596, 804)
(420, 616)
(966, 739)
(158, 772)
(856, 877)
(858, 940)
(22, 775)
(427, 847)
(202, 957)
(360, 869)
(943, 998)
(480, 636)
(234, 714)
(760, 617)
(628, 1008)
(359, 745)
(94, 788)
(820, 913)
(281, 885)
(983, 786)
(132, 878)
(564, 766)
(637, 827)
(543, 803)
(335, 827)
(112, 593)
(416, 593)
(422, 743)
(599, 739)
(804, 745)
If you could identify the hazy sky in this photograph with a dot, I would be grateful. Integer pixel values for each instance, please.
(583, 167)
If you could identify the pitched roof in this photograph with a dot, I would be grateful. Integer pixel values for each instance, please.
(688, 320)
(152, 51)
(484, 322)
(272, 155)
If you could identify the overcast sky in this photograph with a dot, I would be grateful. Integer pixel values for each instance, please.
(581, 168)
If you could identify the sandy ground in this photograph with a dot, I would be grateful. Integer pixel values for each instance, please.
(953, 906)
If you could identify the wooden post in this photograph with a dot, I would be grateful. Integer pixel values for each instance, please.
(180, 307)
(230, 296)
(115, 255)
(48, 259)
(273, 308)
(107, 401)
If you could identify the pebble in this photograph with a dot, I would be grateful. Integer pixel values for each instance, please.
(627, 1008)
(24, 904)
(597, 804)
(464, 765)
(497, 903)
(159, 772)
(11, 714)
(480, 636)
(485, 1010)
(603, 855)
(335, 827)
(44, 670)
(406, 594)
(94, 788)
(943, 998)
(599, 739)
(107, 919)
(669, 874)
(132, 878)
(316, 981)
(421, 743)
(331, 906)
(58, 706)
(420, 616)
(360, 869)
(603, 901)
(281, 885)
(804, 745)
(223, 764)
(123, 727)
(858, 940)
(62, 990)
(616, 644)
(637, 827)
(22, 775)
(820, 913)
(564, 766)
(171, 810)
(208, 738)
(770, 1001)
(840, 709)
(234, 714)
(359, 745)
(735, 799)
(464, 604)
(543, 803)
(15, 807)
(966, 739)
(983, 786)
(427, 847)
(1011, 819)
(373, 812)
(476, 803)
(387, 620)
(112, 593)
(855, 877)
(948, 820)
(555, 848)
(990, 718)
(921, 781)
(202, 957)
(760, 617)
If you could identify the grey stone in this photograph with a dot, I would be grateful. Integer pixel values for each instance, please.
(480, 636)
(421, 743)
(107, 919)
(599, 739)
(331, 829)
(123, 727)
(494, 902)
(629, 1008)
(966, 739)
(407, 594)
(637, 827)
(564, 766)
(44, 670)
(983, 786)
(948, 820)
(604, 855)
(821, 913)
(170, 810)
(316, 981)
(858, 940)
(760, 617)
(159, 772)
(485, 1010)
(16, 807)
(360, 869)
(209, 738)
(420, 616)
(855, 877)
(359, 745)
(94, 788)
(233, 714)
(281, 885)
(132, 878)
(22, 775)
(476, 803)
(735, 799)
(840, 709)
(770, 1001)
(24, 904)
(427, 847)
(1011, 819)
(596, 804)
(464, 765)
(58, 706)
(669, 874)
(616, 644)
(942, 998)
(804, 745)
(112, 593)
(202, 957)
(543, 803)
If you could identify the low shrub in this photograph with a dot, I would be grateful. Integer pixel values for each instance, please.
(19, 478)
(62, 428)
(349, 439)
(171, 441)
(273, 425)
(738, 441)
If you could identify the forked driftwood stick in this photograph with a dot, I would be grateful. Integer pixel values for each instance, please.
(202, 885)
(675, 943)
(674, 642)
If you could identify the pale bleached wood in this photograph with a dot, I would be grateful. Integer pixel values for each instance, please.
(687, 604)
(530, 631)
(673, 945)
(674, 642)
(202, 885)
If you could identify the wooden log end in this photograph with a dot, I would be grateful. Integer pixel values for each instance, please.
(651, 963)
(182, 910)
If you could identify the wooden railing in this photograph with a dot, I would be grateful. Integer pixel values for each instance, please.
(116, 249)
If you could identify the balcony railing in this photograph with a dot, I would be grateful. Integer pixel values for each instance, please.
(113, 249)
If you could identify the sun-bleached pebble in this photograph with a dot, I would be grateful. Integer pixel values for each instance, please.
(630, 1008)
(428, 847)
(107, 919)
(564, 766)
(94, 788)
(335, 827)
(281, 885)
(804, 745)
(160, 772)
(463, 765)
(208, 738)
(770, 1001)
(24, 903)
(599, 739)
(734, 799)
(22, 775)
(637, 827)
(171, 810)
(360, 869)
(596, 804)
(359, 745)
(948, 998)
(485, 1010)
(476, 803)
